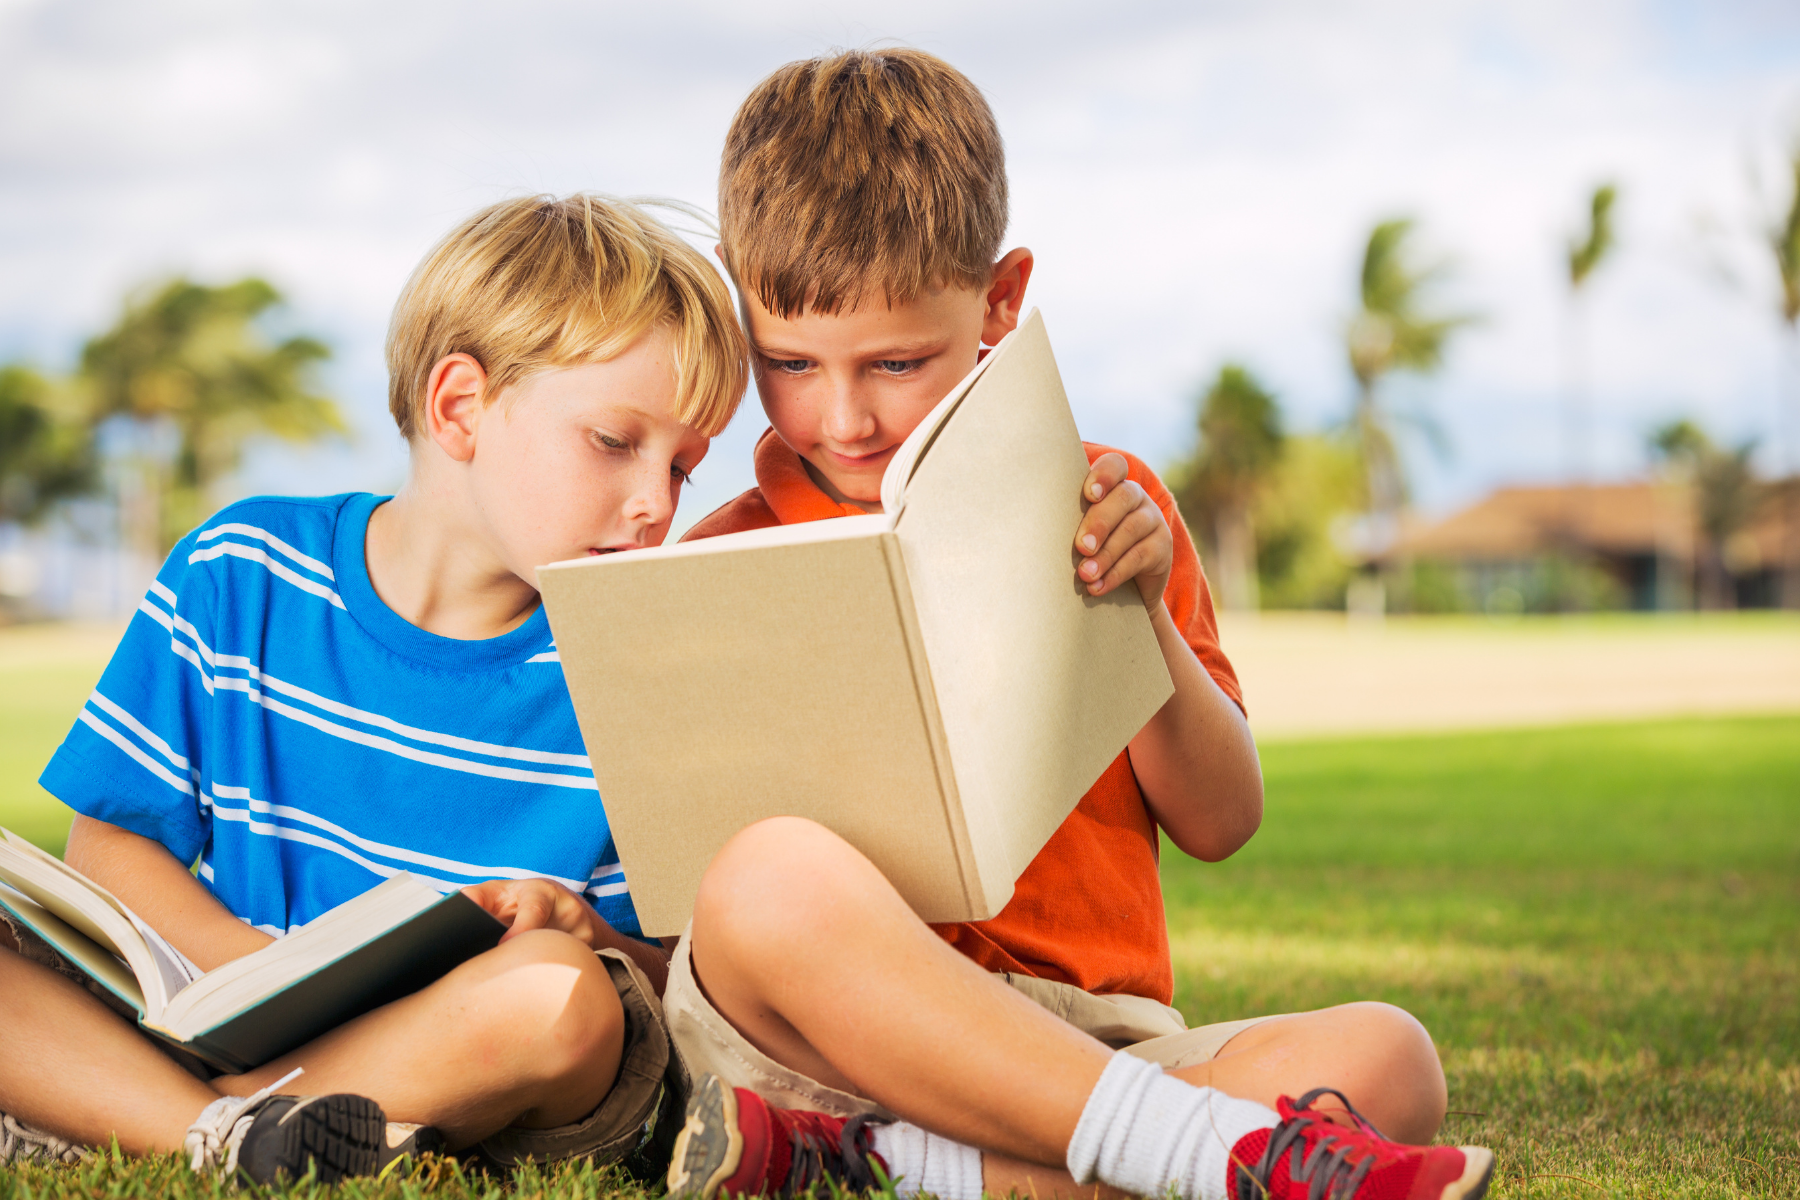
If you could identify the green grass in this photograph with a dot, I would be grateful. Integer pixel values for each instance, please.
(1599, 925)
(41, 691)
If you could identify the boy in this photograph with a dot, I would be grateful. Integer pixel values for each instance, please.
(318, 693)
(862, 202)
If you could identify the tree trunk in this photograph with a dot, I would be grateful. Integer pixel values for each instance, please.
(1236, 538)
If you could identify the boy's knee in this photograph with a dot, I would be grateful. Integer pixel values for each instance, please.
(780, 874)
(545, 997)
(1409, 1059)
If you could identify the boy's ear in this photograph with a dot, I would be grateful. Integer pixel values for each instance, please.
(455, 393)
(1006, 295)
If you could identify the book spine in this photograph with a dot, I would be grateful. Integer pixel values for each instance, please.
(968, 870)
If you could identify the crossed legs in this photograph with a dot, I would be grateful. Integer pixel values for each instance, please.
(807, 950)
(528, 1034)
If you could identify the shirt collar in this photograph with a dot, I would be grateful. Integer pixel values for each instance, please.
(790, 492)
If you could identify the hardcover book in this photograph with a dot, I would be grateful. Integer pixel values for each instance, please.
(930, 682)
(387, 943)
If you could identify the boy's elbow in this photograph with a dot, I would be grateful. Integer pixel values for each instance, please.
(1224, 836)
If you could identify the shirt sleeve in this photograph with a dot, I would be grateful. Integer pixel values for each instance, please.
(133, 757)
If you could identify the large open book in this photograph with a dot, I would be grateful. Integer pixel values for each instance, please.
(930, 682)
(387, 943)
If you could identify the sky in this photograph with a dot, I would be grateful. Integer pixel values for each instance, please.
(1197, 181)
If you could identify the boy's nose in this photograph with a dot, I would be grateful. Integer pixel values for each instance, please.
(653, 499)
(848, 419)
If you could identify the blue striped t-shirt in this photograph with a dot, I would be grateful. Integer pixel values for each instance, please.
(269, 715)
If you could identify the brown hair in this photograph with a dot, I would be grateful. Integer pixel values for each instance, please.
(540, 283)
(866, 172)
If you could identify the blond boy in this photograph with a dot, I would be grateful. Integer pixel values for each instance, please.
(317, 693)
(862, 201)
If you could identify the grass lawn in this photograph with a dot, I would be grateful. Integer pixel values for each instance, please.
(1600, 925)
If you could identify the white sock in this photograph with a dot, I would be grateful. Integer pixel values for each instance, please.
(919, 1161)
(1146, 1132)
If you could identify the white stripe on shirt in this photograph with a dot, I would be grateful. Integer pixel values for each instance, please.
(307, 561)
(122, 742)
(252, 554)
(234, 662)
(221, 792)
(136, 726)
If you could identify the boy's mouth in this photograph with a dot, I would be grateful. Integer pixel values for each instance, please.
(853, 461)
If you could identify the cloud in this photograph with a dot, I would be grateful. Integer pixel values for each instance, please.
(1196, 180)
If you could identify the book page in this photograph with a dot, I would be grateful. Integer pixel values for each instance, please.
(906, 459)
(1040, 685)
(92, 910)
(101, 964)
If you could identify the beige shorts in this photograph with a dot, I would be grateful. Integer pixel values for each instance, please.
(648, 1081)
(706, 1043)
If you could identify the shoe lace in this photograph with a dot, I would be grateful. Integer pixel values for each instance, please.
(218, 1132)
(20, 1142)
(1336, 1161)
(819, 1156)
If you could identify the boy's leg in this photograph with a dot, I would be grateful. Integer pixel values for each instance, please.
(529, 1034)
(810, 954)
(70, 1065)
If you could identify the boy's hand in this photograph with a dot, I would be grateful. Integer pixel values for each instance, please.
(527, 904)
(1123, 535)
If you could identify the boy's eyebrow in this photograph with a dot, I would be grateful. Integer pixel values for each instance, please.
(921, 348)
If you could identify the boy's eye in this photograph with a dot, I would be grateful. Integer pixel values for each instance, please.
(898, 366)
(790, 366)
(681, 475)
(611, 442)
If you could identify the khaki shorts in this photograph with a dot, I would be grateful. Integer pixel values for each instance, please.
(706, 1043)
(648, 1081)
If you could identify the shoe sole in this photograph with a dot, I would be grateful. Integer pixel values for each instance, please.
(1478, 1169)
(344, 1136)
(710, 1146)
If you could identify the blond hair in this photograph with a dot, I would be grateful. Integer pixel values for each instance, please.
(862, 173)
(539, 283)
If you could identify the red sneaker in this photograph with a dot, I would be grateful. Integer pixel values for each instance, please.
(1309, 1157)
(736, 1144)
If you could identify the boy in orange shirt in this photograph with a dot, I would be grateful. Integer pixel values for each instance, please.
(862, 203)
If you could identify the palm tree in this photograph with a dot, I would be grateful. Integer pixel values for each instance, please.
(1394, 330)
(1725, 498)
(1241, 442)
(1585, 254)
(1784, 240)
(195, 359)
(45, 454)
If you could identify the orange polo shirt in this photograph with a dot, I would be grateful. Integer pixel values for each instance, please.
(1089, 908)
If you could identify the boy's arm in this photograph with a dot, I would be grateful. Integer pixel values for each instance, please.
(1195, 761)
(154, 885)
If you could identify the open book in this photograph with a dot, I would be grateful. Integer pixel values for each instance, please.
(930, 682)
(387, 943)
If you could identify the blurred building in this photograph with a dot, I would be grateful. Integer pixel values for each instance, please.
(1624, 545)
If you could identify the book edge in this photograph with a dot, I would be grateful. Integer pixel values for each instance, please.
(968, 864)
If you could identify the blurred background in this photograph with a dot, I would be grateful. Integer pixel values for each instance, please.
(1481, 307)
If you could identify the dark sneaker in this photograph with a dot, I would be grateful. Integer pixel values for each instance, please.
(1310, 1157)
(335, 1137)
(735, 1144)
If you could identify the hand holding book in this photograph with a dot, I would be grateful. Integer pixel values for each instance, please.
(1123, 535)
(523, 905)
(526, 904)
